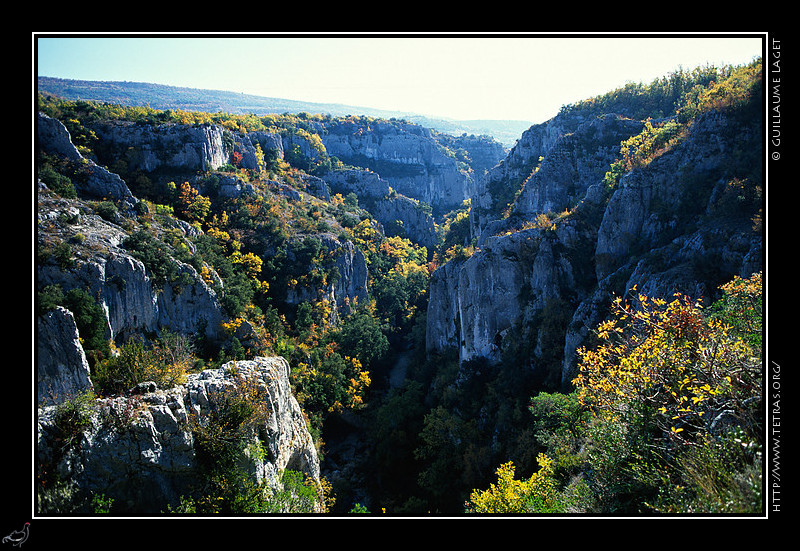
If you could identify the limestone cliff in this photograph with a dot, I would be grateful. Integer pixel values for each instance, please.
(164, 146)
(62, 368)
(407, 156)
(549, 170)
(129, 293)
(545, 271)
(95, 181)
(346, 283)
(141, 451)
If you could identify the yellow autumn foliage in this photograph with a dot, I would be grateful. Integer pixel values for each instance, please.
(668, 357)
(509, 495)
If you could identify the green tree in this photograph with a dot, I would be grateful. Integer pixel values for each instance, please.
(90, 320)
(361, 337)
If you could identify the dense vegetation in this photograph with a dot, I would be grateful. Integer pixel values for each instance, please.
(235, 232)
(630, 436)
(454, 429)
(332, 361)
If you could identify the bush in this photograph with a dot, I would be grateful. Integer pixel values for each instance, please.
(59, 183)
(72, 417)
(90, 320)
(165, 363)
(536, 494)
(49, 298)
(107, 211)
(153, 254)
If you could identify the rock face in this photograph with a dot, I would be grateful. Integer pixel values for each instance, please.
(266, 141)
(62, 367)
(97, 182)
(123, 286)
(140, 450)
(546, 271)
(495, 190)
(404, 217)
(399, 215)
(443, 328)
(165, 146)
(406, 156)
(553, 165)
(655, 205)
(347, 289)
(574, 162)
(364, 183)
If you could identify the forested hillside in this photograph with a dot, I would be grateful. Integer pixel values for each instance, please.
(161, 97)
(573, 326)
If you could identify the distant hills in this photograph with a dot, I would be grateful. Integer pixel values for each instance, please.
(160, 96)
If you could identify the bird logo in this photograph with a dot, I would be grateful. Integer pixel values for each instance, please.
(18, 537)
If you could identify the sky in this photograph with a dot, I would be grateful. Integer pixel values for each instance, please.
(463, 77)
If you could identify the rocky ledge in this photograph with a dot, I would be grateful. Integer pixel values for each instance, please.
(140, 449)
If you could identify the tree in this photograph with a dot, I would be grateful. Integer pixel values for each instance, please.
(361, 337)
(191, 205)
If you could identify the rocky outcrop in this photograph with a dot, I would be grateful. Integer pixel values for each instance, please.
(140, 450)
(399, 215)
(151, 147)
(95, 181)
(404, 217)
(406, 156)
(676, 193)
(494, 191)
(364, 183)
(573, 163)
(443, 327)
(62, 368)
(347, 280)
(513, 290)
(246, 144)
(516, 273)
(123, 286)
(549, 170)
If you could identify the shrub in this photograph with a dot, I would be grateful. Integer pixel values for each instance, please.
(107, 211)
(666, 415)
(59, 183)
(165, 363)
(153, 254)
(536, 494)
(72, 417)
(222, 432)
(90, 319)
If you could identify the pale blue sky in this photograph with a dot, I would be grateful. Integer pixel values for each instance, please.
(476, 77)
